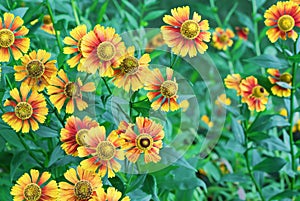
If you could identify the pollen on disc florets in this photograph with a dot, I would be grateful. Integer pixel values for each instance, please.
(80, 136)
(23, 110)
(7, 38)
(71, 89)
(190, 29)
(32, 192)
(144, 141)
(129, 65)
(286, 23)
(106, 51)
(105, 150)
(83, 190)
(169, 88)
(35, 68)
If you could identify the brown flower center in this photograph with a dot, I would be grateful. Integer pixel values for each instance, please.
(190, 29)
(169, 88)
(144, 141)
(105, 150)
(71, 89)
(286, 77)
(79, 45)
(23, 110)
(32, 192)
(35, 68)
(129, 65)
(106, 51)
(80, 136)
(258, 91)
(286, 23)
(7, 38)
(224, 38)
(83, 190)
(47, 19)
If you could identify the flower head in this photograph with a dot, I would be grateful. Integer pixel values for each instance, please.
(35, 187)
(111, 195)
(222, 38)
(147, 140)
(283, 112)
(282, 18)
(61, 89)
(242, 32)
(222, 100)
(184, 35)
(233, 82)
(48, 25)
(36, 70)
(207, 121)
(277, 77)
(74, 133)
(29, 109)
(12, 37)
(154, 43)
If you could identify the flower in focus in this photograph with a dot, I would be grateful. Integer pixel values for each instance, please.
(132, 71)
(81, 186)
(147, 140)
(275, 78)
(222, 38)
(12, 37)
(233, 82)
(253, 94)
(111, 195)
(74, 133)
(242, 32)
(184, 35)
(36, 70)
(35, 187)
(154, 43)
(207, 121)
(28, 110)
(62, 89)
(74, 42)
(102, 49)
(222, 100)
(283, 112)
(104, 152)
(282, 18)
(48, 25)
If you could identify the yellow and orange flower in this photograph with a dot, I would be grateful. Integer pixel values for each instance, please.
(154, 43)
(74, 133)
(282, 18)
(74, 42)
(296, 127)
(283, 112)
(36, 70)
(48, 25)
(163, 91)
(35, 187)
(28, 110)
(104, 151)
(102, 49)
(123, 126)
(222, 38)
(147, 140)
(276, 77)
(61, 89)
(12, 37)
(132, 72)
(253, 94)
(184, 35)
(296, 1)
(111, 195)
(233, 82)
(81, 186)
(242, 32)
(207, 121)
(222, 100)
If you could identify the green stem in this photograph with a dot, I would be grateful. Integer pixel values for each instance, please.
(55, 111)
(8, 81)
(8, 5)
(105, 82)
(215, 12)
(75, 12)
(230, 64)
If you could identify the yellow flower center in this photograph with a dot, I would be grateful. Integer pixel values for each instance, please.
(23, 110)
(258, 91)
(105, 150)
(79, 45)
(83, 190)
(35, 68)
(129, 65)
(286, 77)
(190, 29)
(32, 192)
(224, 38)
(169, 88)
(80, 136)
(144, 141)
(286, 23)
(71, 89)
(106, 51)
(7, 38)
(47, 19)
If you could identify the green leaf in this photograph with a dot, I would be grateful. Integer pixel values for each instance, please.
(20, 11)
(268, 61)
(266, 122)
(139, 195)
(294, 58)
(46, 132)
(137, 183)
(271, 143)
(245, 20)
(229, 14)
(237, 131)
(270, 165)
(150, 187)
(259, 3)
(117, 183)
(17, 160)
(57, 154)
(132, 7)
(284, 85)
(235, 177)
(285, 194)
(131, 20)
(154, 14)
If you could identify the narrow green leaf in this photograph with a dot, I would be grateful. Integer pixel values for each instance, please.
(235, 177)
(270, 165)
(154, 14)
(46, 132)
(237, 131)
(285, 194)
(268, 61)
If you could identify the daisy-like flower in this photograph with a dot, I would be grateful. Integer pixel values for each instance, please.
(132, 72)
(74, 46)
(74, 133)
(36, 70)
(102, 49)
(104, 152)
(29, 109)
(253, 94)
(282, 18)
(233, 82)
(163, 92)
(296, 127)
(296, 1)
(184, 35)
(35, 187)
(222, 38)
(222, 100)
(48, 25)
(207, 121)
(277, 77)
(283, 112)
(123, 126)
(12, 37)
(154, 43)
(111, 195)
(61, 89)
(81, 186)
(147, 140)
(242, 32)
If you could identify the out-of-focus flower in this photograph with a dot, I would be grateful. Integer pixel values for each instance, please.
(277, 77)
(296, 1)
(242, 32)
(36, 70)
(283, 112)
(111, 195)
(184, 105)
(296, 127)
(154, 43)
(222, 38)
(233, 82)
(223, 168)
(184, 35)
(48, 25)
(222, 100)
(282, 18)
(12, 37)
(207, 121)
